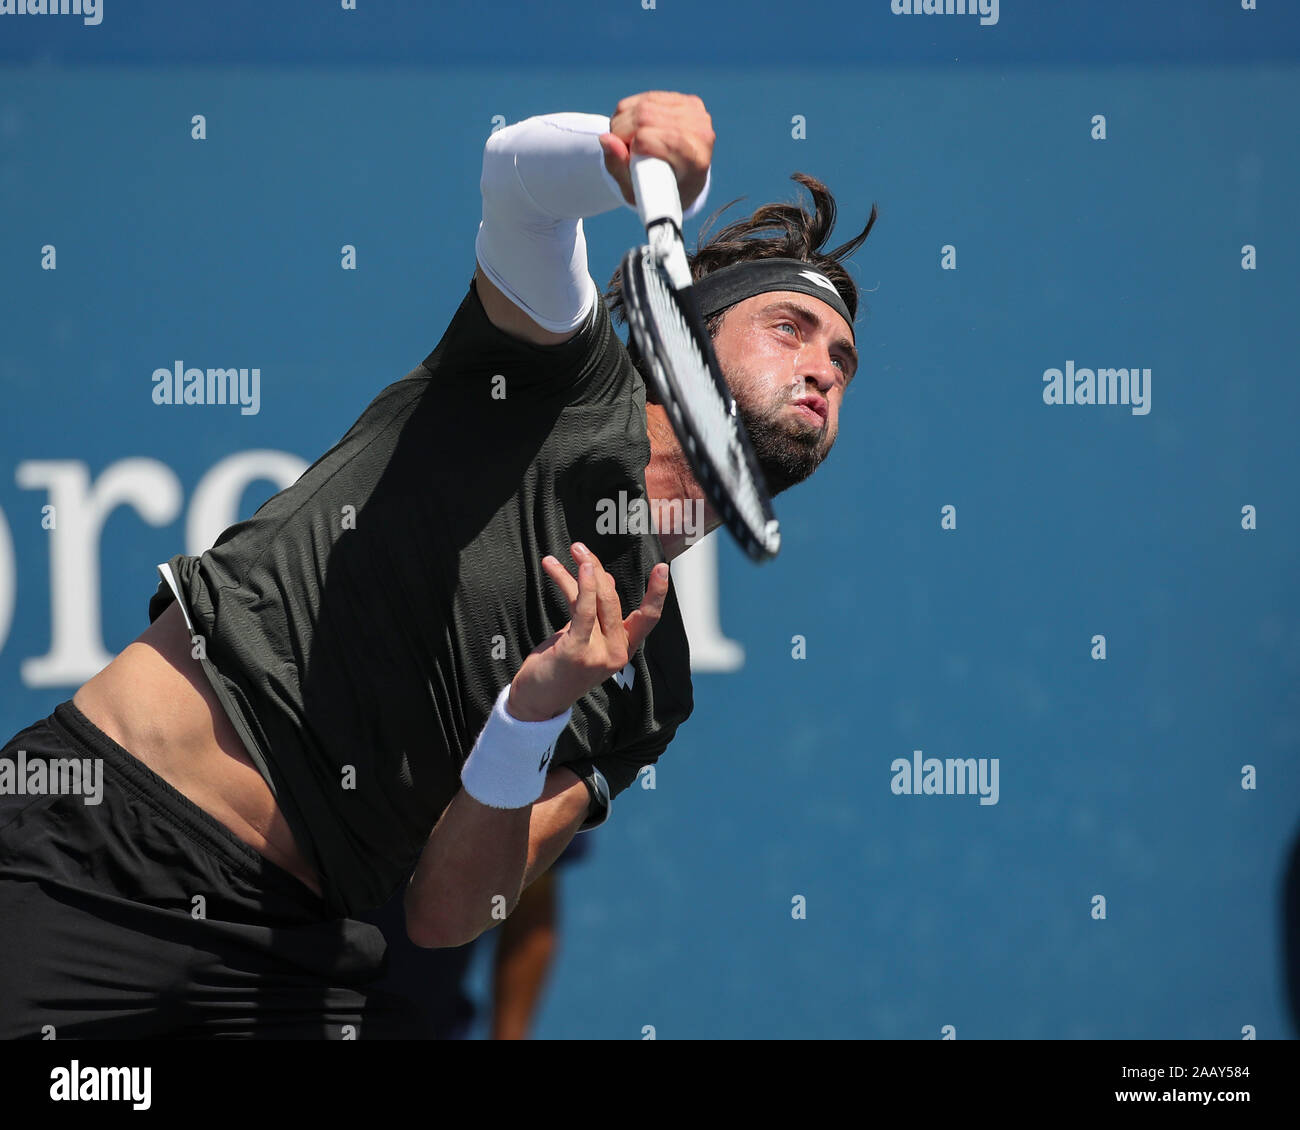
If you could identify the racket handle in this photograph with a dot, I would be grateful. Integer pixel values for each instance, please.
(655, 186)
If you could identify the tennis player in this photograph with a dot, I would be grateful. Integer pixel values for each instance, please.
(426, 658)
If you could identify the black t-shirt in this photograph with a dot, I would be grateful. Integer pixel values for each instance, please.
(360, 625)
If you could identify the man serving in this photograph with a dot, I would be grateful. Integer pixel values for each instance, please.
(426, 662)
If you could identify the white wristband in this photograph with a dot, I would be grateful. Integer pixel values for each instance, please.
(507, 766)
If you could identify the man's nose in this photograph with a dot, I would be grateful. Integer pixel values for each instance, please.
(815, 365)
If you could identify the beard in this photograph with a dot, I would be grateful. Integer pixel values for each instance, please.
(788, 447)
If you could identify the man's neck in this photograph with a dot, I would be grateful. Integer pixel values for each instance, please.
(668, 477)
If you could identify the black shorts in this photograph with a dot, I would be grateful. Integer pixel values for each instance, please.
(141, 916)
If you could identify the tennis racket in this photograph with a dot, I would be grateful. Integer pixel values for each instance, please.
(669, 331)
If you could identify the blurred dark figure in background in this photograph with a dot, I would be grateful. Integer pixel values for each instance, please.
(1291, 933)
(433, 980)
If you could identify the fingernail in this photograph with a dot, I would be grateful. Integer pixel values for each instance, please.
(578, 547)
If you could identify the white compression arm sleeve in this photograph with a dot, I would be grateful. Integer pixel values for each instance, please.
(541, 176)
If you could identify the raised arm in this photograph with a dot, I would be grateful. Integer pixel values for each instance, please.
(542, 176)
(498, 833)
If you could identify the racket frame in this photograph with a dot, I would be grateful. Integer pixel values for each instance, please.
(659, 206)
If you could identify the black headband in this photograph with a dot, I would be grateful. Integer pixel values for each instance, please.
(729, 285)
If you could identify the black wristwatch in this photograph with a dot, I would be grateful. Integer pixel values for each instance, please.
(598, 789)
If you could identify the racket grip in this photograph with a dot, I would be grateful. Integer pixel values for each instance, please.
(654, 184)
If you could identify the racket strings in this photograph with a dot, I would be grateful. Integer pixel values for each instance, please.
(692, 371)
(675, 342)
(712, 413)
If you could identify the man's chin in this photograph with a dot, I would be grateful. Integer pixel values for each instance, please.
(788, 447)
(789, 465)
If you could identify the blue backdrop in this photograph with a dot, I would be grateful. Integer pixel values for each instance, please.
(1167, 244)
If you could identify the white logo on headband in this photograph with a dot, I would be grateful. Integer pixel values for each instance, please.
(820, 280)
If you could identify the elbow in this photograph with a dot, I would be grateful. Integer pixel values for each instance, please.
(498, 176)
(439, 935)
(435, 940)
(438, 932)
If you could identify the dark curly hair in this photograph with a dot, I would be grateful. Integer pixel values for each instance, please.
(801, 236)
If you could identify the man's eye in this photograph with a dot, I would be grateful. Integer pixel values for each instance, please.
(837, 360)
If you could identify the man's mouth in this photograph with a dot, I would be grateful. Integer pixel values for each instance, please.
(814, 407)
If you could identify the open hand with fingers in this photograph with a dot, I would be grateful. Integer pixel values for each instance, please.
(597, 641)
